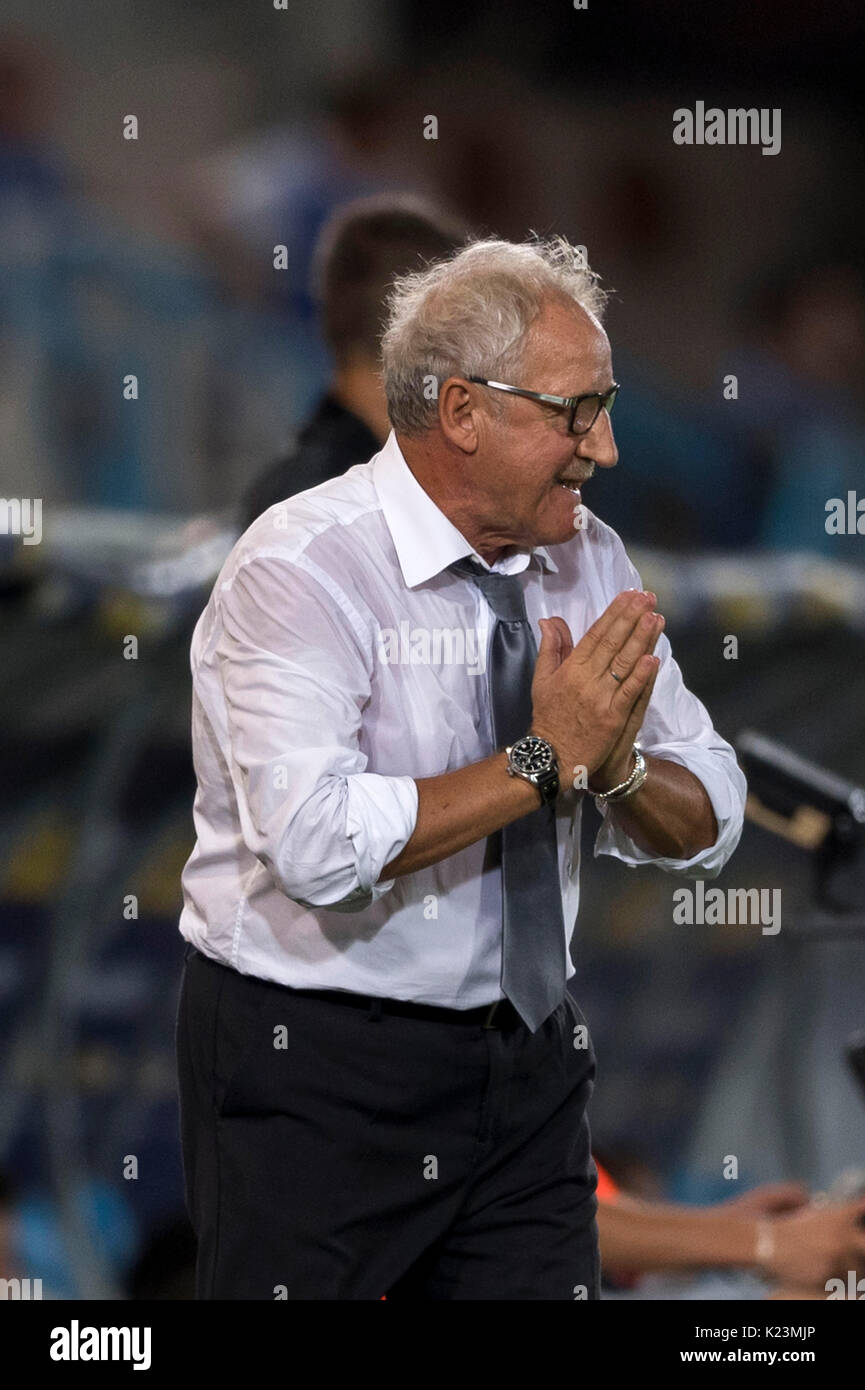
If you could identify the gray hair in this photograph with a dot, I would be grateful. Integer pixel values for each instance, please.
(469, 316)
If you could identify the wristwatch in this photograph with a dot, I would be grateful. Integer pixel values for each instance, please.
(533, 759)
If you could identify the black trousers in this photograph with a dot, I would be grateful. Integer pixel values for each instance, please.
(330, 1153)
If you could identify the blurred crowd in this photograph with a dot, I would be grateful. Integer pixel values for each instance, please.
(740, 413)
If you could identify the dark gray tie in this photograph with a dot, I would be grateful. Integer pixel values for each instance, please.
(533, 932)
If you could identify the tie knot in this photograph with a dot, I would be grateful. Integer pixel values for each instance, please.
(503, 592)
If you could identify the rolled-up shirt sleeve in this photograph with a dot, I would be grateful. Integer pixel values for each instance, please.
(677, 727)
(296, 677)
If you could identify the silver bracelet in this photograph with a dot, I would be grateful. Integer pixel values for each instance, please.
(629, 786)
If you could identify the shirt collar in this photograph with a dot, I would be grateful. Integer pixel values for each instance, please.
(426, 541)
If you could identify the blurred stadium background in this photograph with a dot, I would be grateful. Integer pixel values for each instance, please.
(155, 257)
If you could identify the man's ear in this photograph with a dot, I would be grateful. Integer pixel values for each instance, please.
(459, 414)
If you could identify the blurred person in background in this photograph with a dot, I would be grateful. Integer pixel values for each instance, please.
(799, 415)
(279, 185)
(362, 249)
(22, 1263)
(37, 209)
(775, 1232)
(307, 896)
(34, 182)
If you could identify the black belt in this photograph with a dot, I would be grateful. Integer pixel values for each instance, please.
(500, 1014)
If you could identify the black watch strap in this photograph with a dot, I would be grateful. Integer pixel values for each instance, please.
(547, 784)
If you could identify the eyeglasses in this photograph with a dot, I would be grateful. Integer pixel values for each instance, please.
(584, 410)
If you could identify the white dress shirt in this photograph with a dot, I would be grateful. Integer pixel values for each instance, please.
(337, 660)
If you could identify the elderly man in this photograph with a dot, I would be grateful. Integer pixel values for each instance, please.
(383, 1076)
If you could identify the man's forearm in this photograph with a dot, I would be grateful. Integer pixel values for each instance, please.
(640, 1236)
(671, 814)
(459, 808)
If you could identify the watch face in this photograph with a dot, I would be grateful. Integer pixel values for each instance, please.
(532, 754)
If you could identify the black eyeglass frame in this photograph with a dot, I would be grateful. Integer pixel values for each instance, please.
(606, 399)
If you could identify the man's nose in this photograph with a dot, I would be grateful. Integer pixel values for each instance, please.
(598, 443)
